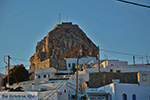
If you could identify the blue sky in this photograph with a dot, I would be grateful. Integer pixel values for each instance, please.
(110, 24)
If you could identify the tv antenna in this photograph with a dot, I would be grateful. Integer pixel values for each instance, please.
(59, 17)
(133, 3)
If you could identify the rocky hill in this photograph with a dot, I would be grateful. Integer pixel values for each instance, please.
(64, 41)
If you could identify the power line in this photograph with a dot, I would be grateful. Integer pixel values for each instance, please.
(15, 61)
(14, 71)
(52, 89)
(20, 59)
(138, 4)
(129, 54)
(57, 89)
(18, 63)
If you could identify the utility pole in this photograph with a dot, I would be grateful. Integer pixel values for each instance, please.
(77, 77)
(8, 65)
(8, 69)
(98, 60)
(134, 60)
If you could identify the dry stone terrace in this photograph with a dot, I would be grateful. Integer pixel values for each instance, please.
(98, 79)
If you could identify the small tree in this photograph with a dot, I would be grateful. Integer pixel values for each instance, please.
(17, 74)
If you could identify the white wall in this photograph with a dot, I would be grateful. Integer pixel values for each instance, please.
(48, 72)
(70, 62)
(87, 60)
(83, 60)
(142, 93)
(118, 89)
(62, 95)
(144, 78)
(107, 63)
(42, 76)
(127, 68)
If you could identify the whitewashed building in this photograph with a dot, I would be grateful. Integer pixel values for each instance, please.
(122, 66)
(126, 68)
(108, 63)
(46, 73)
(72, 62)
(120, 91)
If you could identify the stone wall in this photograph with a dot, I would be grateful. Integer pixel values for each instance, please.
(99, 79)
(43, 64)
(49, 63)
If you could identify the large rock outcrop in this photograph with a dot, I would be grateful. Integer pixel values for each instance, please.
(64, 41)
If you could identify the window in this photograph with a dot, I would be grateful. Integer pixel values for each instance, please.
(111, 65)
(118, 71)
(110, 97)
(101, 66)
(73, 65)
(48, 75)
(111, 70)
(69, 65)
(124, 96)
(44, 76)
(39, 77)
(133, 97)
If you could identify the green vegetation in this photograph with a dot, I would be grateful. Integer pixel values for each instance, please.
(17, 74)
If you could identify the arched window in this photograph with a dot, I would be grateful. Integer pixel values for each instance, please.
(73, 65)
(124, 96)
(44, 76)
(39, 77)
(133, 97)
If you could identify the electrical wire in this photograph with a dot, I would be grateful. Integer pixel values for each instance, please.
(20, 59)
(52, 89)
(51, 93)
(137, 4)
(14, 61)
(123, 53)
(18, 63)
(57, 89)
